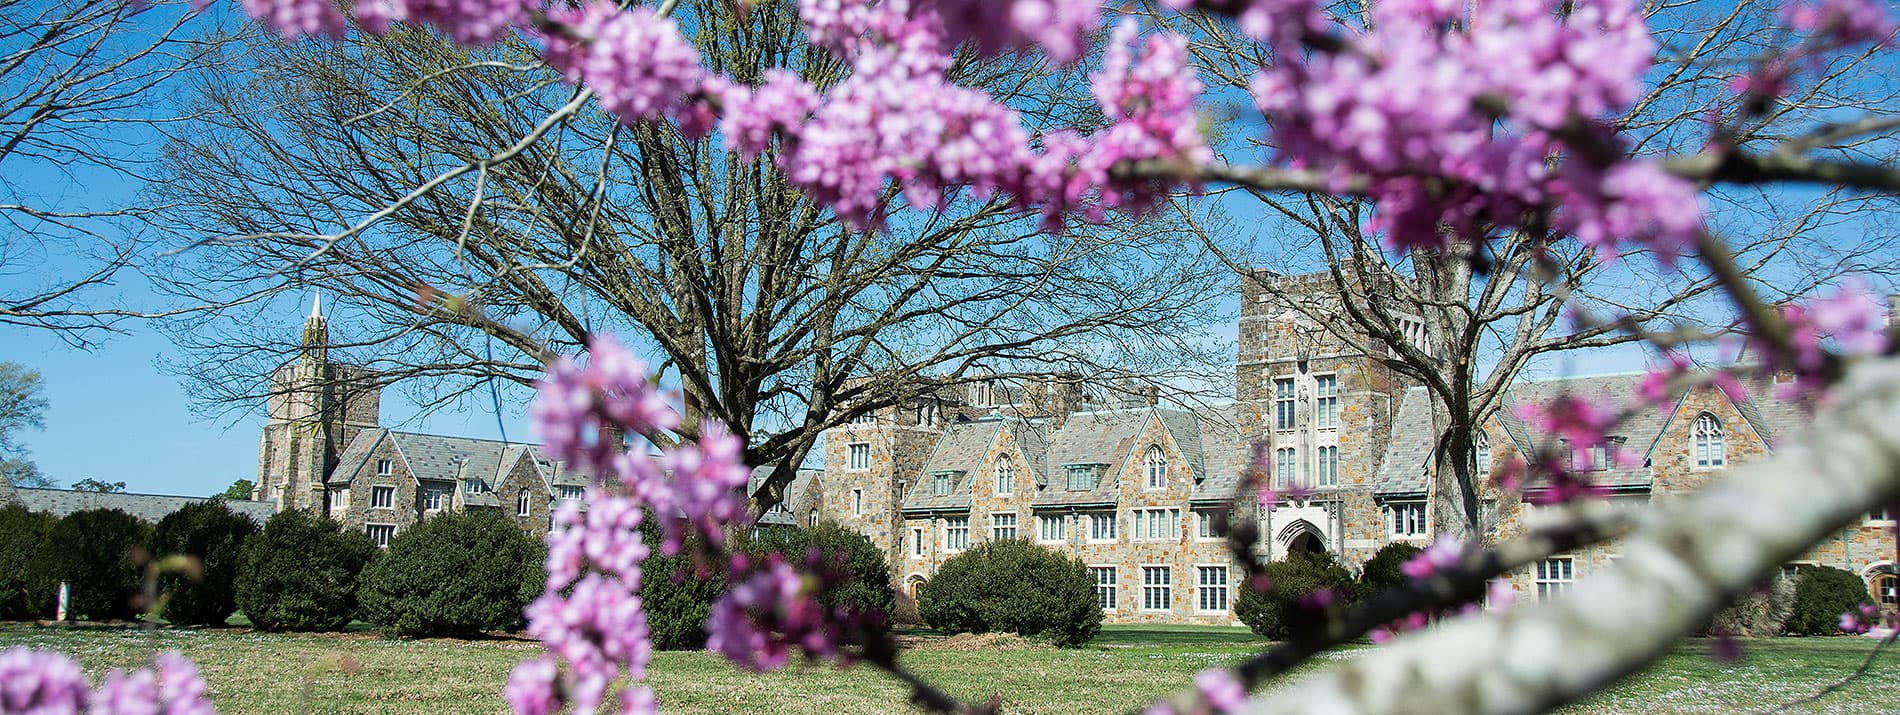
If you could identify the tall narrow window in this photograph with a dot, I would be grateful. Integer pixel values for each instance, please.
(1326, 401)
(1157, 588)
(811, 519)
(857, 502)
(1483, 448)
(1326, 469)
(1157, 524)
(858, 456)
(1157, 469)
(1052, 528)
(1711, 445)
(940, 484)
(1105, 586)
(521, 503)
(916, 542)
(1005, 476)
(1285, 466)
(1284, 402)
(1553, 577)
(1102, 527)
(956, 533)
(1405, 518)
(1211, 524)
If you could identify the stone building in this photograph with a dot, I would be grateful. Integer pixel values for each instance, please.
(1132, 490)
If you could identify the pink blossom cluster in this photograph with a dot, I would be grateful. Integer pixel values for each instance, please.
(1864, 619)
(1219, 691)
(1455, 126)
(48, 683)
(636, 62)
(467, 21)
(1842, 23)
(1850, 318)
(1444, 553)
(771, 608)
(580, 412)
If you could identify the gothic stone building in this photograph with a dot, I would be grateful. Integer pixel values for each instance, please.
(323, 450)
(1132, 490)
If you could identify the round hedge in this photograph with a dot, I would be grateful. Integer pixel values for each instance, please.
(300, 573)
(1382, 573)
(214, 535)
(1278, 612)
(453, 574)
(1016, 586)
(1821, 595)
(26, 580)
(93, 551)
(869, 587)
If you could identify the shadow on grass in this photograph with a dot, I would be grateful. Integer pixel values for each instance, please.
(1164, 635)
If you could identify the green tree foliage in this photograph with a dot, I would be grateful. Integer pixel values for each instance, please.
(213, 537)
(1279, 612)
(1382, 573)
(1821, 595)
(26, 581)
(869, 587)
(94, 551)
(95, 485)
(300, 573)
(240, 489)
(22, 407)
(1016, 586)
(453, 574)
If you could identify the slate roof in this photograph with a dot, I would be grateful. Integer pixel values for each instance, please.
(149, 507)
(960, 450)
(1408, 452)
(1222, 454)
(1104, 437)
(442, 458)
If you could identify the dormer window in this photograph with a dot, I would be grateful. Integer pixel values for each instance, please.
(475, 486)
(1157, 469)
(940, 483)
(1711, 442)
(1081, 477)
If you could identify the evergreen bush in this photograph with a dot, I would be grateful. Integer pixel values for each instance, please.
(453, 574)
(26, 579)
(1821, 595)
(1015, 586)
(1280, 612)
(99, 553)
(1382, 573)
(300, 573)
(869, 587)
(212, 535)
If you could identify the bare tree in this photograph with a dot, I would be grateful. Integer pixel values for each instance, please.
(768, 313)
(82, 87)
(1466, 324)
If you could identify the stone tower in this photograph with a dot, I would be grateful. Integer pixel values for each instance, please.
(872, 463)
(1323, 409)
(315, 408)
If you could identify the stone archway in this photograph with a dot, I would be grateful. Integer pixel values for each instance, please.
(1883, 584)
(1302, 536)
(914, 585)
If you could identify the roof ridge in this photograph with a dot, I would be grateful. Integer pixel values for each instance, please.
(506, 442)
(136, 494)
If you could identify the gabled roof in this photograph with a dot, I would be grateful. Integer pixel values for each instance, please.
(1103, 437)
(802, 483)
(1223, 454)
(1408, 451)
(441, 458)
(149, 507)
(960, 451)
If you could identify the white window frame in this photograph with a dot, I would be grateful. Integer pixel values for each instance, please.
(1326, 401)
(570, 492)
(1482, 447)
(382, 497)
(1107, 591)
(1156, 524)
(1157, 590)
(1081, 478)
(868, 418)
(339, 499)
(1052, 529)
(916, 542)
(388, 531)
(1880, 516)
(522, 505)
(1553, 576)
(1406, 519)
(1205, 591)
(1204, 522)
(385, 467)
(1156, 465)
(857, 502)
(857, 456)
(1708, 442)
(474, 486)
(433, 500)
(956, 533)
(1286, 398)
(1003, 525)
(1005, 477)
(1326, 465)
(1286, 466)
(1097, 520)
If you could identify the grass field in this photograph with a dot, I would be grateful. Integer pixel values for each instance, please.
(1125, 667)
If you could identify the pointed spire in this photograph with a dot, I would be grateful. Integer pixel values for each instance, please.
(316, 304)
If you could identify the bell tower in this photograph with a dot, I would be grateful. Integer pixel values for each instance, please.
(315, 408)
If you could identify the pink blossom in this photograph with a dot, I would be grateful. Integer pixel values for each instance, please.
(1442, 554)
(1222, 692)
(33, 681)
(635, 61)
(294, 18)
(532, 688)
(1583, 423)
(1842, 23)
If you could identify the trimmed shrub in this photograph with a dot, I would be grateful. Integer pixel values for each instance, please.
(26, 580)
(678, 595)
(300, 573)
(452, 574)
(869, 588)
(1382, 573)
(1015, 586)
(1821, 595)
(213, 535)
(1278, 612)
(1759, 613)
(94, 552)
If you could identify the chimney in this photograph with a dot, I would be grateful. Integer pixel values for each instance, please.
(1151, 393)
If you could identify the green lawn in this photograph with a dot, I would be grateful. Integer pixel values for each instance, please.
(1125, 667)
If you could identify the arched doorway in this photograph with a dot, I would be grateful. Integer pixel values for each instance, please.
(1302, 537)
(1883, 584)
(914, 585)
